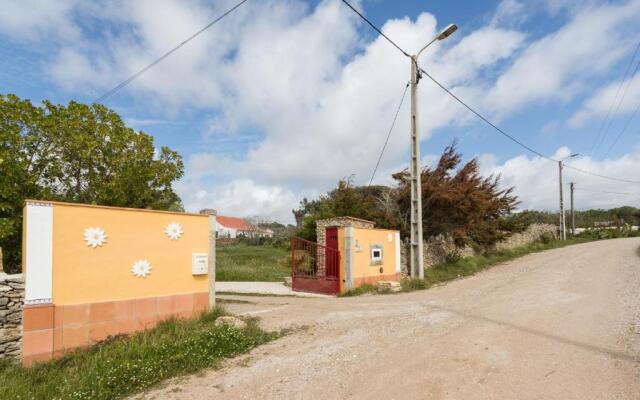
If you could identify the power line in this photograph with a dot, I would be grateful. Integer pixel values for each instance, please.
(624, 128)
(404, 93)
(167, 54)
(516, 140)
(505, 134)
(376, 28)
(605, 191)
(624, 94)
(615, 98)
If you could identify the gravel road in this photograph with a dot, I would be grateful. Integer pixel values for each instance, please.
(561, 324)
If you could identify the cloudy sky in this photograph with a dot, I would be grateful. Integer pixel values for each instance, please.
(283, 98)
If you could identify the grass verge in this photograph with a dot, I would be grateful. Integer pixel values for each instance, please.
(471, 265)
(241, 262)
(124, 365)
(468, 266)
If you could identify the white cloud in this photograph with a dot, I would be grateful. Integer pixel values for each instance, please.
(536, 180)
(244, 198)
(33, 20)
(321, 96)
(599, 104)
(559, 65)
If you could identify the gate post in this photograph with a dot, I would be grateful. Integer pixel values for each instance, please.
(348, 258)
(212, 256)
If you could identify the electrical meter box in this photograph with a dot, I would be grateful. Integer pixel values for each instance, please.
(199, 263)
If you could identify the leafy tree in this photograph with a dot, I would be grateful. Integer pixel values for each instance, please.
(76, 153)
(366, 202)
(458, 201)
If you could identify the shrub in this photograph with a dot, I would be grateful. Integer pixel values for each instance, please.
(411, 284)
(547, 238)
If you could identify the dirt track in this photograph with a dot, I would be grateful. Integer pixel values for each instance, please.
(562, 324)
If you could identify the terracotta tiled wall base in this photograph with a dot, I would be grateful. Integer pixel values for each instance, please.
(375, 279)
(49, 330)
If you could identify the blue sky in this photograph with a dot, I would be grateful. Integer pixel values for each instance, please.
(283, 98)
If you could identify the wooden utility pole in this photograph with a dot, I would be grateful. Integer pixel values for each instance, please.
(573, 216)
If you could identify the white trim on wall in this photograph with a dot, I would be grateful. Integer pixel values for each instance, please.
(348, 257)
(398, 244)
(38, 253)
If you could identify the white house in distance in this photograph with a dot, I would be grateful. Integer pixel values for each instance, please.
(233, 227)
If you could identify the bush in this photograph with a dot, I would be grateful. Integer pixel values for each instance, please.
(547, 238)
(411, 284)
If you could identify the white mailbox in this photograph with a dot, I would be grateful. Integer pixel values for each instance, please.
(199, 263)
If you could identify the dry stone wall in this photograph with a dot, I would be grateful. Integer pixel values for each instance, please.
(440, 249)
(11, 301)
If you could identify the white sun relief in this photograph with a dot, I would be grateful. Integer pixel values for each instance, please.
(174, 231)
(141, 268)
(95, 237)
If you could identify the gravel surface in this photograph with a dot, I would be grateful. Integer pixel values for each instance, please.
(561, 324)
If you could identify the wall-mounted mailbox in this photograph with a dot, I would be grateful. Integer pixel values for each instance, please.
(199, 263)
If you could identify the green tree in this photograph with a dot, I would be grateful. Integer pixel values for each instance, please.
(366, 202)
(458, 201)
(76, 153)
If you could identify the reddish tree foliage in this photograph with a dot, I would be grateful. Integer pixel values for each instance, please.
(458, 202)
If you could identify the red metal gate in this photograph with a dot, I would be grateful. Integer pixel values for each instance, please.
(314, 268)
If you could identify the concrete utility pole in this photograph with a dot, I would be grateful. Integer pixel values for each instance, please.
(563, 235)
(573, 216)
(416, 260)
(563, 226)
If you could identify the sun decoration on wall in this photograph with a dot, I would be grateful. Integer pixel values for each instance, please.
(141, 268)
(95, 237)
(174, 231)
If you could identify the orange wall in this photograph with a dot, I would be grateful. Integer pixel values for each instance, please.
(362, 267)
(82, 274)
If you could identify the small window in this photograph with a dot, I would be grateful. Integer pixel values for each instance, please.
(376, 255)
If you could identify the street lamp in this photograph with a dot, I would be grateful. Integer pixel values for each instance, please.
(416, 261)
(563, 227)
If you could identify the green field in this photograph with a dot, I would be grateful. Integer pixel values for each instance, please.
(241, 262)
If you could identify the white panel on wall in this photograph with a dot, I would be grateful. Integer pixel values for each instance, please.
(39, 253)
(398, 244)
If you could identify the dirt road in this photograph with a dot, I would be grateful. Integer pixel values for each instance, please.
(562, 324)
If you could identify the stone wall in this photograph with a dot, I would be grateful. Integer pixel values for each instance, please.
(441, 249)
(322, 225)
(11, 300)
(533, 233)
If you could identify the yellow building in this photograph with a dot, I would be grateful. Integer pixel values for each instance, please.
(349, 253)
(94, 271)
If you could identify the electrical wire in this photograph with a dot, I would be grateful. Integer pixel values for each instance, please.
(624, 128)
(519, 142)
(615, 98)
(624, 94)
(404, 93)
(165, 55)
(505, 134)
(605, 191)
(375, 28)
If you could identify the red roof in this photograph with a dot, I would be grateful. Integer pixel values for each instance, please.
(234, 223)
